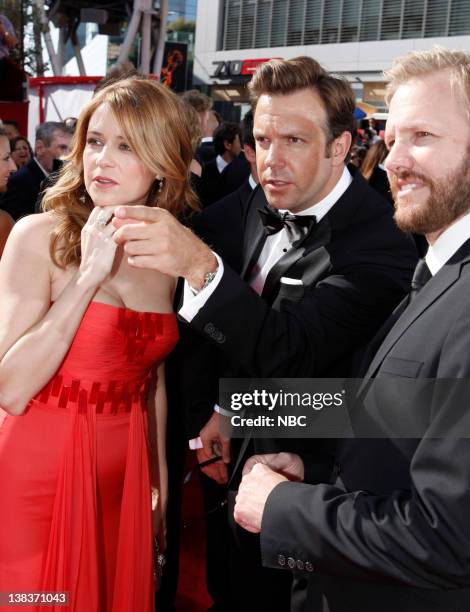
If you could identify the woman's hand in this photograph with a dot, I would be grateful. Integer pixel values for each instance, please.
(98, 247)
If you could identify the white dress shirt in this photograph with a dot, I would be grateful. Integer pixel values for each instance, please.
(221, 163)
(448, 243)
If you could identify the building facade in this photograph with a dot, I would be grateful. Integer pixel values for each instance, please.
(182, 9)
(355, 38)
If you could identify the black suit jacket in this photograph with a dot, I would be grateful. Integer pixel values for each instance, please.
(26, 188)
(23, 190)
(355, 267)
(221, 225)
(205, 152)
(215, 185)
(393, 533)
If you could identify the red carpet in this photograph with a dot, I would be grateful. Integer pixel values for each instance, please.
(192, 595)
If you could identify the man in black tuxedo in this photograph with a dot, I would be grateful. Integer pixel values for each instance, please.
(228, 170)
(24, 186)
(221, 224)
(392, 533)
(326, 283)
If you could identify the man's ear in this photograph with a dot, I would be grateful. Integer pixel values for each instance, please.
(228, 145)
(39, 147)
(339, 148)
(249, 153)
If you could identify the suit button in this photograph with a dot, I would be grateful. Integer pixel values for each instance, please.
(212, 331)
(309, 566)
(300, 564)
(291, 563)
(281, 560)
(219, 337)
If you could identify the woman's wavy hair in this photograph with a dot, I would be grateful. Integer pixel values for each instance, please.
(374, 156)
(154, 123)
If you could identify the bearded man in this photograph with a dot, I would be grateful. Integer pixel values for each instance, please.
(393, 532)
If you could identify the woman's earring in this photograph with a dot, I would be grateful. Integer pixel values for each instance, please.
(160, 183)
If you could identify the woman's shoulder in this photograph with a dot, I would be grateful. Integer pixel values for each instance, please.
(35, 229)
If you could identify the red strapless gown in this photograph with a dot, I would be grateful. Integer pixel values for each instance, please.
(75, 504)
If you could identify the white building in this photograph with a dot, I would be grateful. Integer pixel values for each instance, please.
(355, 38)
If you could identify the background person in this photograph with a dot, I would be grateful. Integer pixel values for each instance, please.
(373, 169)
(21, 151)
(7, 166)
(24, 187)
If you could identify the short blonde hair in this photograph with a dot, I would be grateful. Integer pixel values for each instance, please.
(423, 63)
(154, 123)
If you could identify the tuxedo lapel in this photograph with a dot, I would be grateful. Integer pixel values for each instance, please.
(255, 236)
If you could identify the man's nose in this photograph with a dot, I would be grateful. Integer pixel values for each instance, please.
(275, 155)
(398, 159)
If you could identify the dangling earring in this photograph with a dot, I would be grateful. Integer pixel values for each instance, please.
(160, 183)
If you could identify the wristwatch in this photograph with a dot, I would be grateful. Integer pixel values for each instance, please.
(208, 278)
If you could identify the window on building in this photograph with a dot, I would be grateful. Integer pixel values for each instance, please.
(295, 24)
(312, 22)
(413, 15)
(330, 27)
(263, 23)
(231, 24)
(247, 24)
(370, 20)
(436, 18)
(391, 17)
(278, 23)
(459, 18)
(350, 21)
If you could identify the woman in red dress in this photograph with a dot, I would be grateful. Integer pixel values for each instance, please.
(82, 329)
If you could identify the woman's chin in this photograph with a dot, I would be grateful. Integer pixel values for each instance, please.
(105, 202)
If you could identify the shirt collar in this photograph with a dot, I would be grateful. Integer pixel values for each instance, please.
(46, 173)
(252, 182)
(221, 163)
(448, 243)
(206, 139)
(323, 206)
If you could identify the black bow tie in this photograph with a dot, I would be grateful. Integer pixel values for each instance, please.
(297, 226)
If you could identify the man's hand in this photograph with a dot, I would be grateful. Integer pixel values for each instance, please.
(214, 444)
(216, 471)
(251, 499)
(288, 464)
(154, 239)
